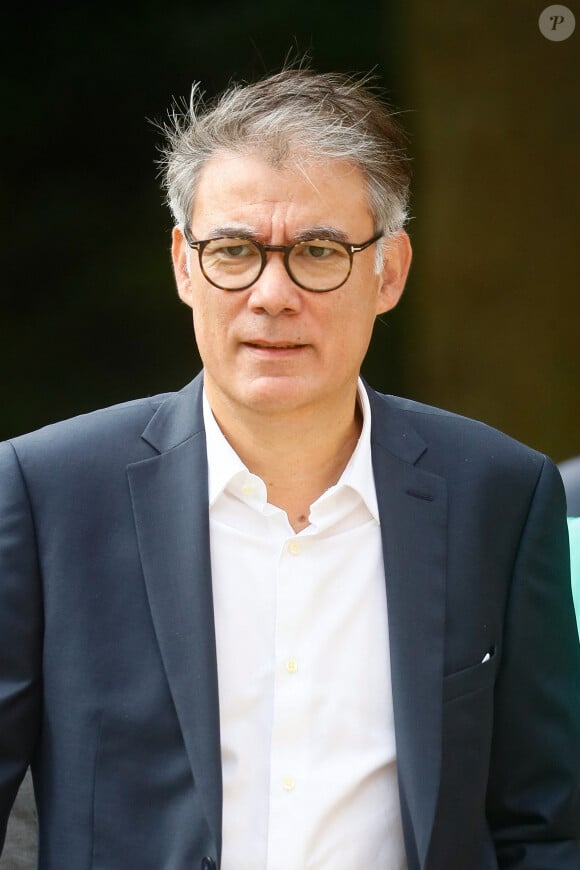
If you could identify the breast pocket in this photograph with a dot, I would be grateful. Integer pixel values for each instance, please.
(472, 679)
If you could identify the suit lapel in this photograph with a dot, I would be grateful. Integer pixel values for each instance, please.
(413, 512)
(170, 504)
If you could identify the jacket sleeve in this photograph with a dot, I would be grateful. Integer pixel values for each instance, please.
(534, 783)
(20, 632)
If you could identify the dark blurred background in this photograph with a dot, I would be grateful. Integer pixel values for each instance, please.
(488, 325)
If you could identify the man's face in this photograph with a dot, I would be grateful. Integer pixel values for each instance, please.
(275, 348)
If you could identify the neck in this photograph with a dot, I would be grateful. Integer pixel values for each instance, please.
(298, 455)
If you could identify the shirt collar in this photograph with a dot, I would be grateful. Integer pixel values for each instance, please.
(358, 474)
(226, 469)
(223, 463)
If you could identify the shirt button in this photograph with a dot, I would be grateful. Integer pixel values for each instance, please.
(294, 547)
(291, 665)
(207, 863)
(288, 783)
(248, 488)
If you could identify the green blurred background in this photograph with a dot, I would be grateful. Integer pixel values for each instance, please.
(488, 325)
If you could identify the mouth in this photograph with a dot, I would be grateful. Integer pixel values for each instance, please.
(274, 345)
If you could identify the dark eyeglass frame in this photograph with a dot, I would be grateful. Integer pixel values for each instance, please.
(350, 248)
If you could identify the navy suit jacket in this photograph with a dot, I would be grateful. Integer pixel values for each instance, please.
(108, 682)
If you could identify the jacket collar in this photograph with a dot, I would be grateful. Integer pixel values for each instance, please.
(178, 419)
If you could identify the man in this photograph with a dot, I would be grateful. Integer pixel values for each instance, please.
(277, 620)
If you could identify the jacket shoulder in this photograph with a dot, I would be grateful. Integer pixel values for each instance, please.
(88, 434)
(455, 440)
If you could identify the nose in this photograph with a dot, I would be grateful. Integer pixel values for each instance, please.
(275, 292)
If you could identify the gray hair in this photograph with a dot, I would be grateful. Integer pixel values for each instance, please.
(296, 116)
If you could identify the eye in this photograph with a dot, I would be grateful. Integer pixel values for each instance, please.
(231, 249)
(317, 250)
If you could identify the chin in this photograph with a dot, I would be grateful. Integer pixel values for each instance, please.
(276, 395)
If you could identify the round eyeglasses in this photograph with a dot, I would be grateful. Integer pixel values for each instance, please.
(319, 265)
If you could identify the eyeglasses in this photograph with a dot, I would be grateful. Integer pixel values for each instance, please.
(319, 265)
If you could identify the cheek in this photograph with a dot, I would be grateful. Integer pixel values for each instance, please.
(356, 318)
(347, 339)
(212, 320)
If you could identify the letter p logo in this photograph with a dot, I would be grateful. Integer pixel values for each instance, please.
(557, 23)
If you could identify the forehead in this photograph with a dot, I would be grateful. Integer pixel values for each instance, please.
(247, 189)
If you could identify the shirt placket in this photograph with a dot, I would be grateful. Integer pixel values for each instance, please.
(290, 715)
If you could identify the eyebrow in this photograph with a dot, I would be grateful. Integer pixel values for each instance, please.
(233, 231)
(317, 231)
(321, 231)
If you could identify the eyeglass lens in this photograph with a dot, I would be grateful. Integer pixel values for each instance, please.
(315, 264)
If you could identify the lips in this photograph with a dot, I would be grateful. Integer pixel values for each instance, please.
(273, 345)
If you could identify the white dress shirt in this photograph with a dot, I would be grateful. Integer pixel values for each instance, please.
(306, 710)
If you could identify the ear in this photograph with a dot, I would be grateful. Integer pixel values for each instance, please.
(179, 255)
(398, 254)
